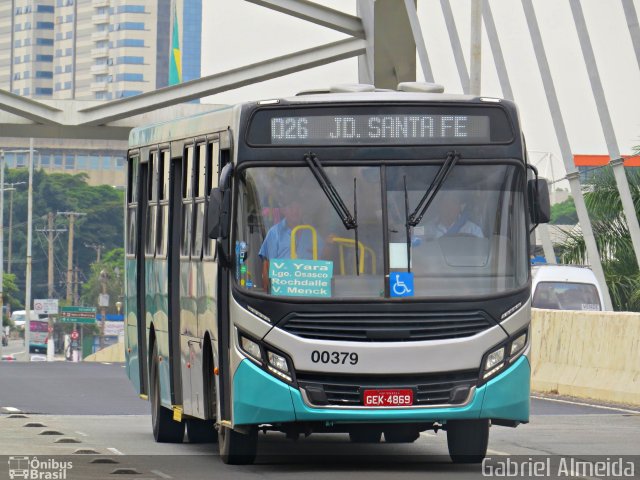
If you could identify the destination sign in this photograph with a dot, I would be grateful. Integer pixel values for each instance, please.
(381, 124)
(367, 129)
(300, 278)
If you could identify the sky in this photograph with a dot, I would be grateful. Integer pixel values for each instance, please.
(237, 33)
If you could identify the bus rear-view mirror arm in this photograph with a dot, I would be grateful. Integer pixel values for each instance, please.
(539, 203)
(218, 212)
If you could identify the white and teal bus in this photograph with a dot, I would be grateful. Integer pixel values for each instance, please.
(337, 261)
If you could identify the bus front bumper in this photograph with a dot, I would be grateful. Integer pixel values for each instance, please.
(259, 398)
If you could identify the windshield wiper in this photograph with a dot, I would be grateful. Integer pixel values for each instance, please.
(330, 191)
(349, 221)
(416, 217)
(407, 226)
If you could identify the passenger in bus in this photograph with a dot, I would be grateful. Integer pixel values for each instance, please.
(277, 242)
(451, 218)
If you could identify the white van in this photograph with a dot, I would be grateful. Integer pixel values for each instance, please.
(565, 287)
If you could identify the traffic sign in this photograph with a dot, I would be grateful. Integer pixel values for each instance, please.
(75, 335)
(77, 315)
(46, 306)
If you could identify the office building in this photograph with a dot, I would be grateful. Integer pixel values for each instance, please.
(93, 50)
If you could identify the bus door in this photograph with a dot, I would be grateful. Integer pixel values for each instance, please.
(136, 312)
(176, 227)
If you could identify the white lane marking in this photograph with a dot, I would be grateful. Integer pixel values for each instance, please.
(11, 409)
(497, 452)
(82, 434)
(106, 363)
(115, 450)
(583, 404)
(160, 474)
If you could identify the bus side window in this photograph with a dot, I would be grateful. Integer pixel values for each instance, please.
(200, 194)
(212, 172)
(163, 201)
(153, 205)
(187, 201)
(132, 197)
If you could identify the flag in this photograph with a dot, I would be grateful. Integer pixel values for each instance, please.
(175, 68)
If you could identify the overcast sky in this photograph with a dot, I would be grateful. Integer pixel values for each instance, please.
(237, 33)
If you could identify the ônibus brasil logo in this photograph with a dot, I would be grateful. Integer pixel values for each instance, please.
(34, 469)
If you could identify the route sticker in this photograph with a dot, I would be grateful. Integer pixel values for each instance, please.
(300, 278)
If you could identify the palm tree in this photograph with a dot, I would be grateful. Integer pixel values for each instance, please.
(612, 237)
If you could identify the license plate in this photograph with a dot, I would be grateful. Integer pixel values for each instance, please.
(388, 398)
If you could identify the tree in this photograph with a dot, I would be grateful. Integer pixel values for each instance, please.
(564, 213)
(109, 270)
(102, 224)
(612, 237)
(10, 292)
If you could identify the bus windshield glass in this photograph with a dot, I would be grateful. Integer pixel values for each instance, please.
(472, 239)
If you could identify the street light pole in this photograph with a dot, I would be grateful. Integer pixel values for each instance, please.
(2, 189)
(27, 325)
(103, 303)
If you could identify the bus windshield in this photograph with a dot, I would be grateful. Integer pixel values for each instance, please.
(471, 241)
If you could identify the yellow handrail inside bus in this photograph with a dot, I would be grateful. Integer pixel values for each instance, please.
(362, 248)
(373, 258)
(314, 240)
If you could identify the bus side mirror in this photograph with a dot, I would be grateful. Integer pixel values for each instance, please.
(218, 214)
(539, 204)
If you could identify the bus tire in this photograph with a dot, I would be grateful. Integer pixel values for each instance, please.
(165, 429)
(401, 434)
(237, 448)
(365, 434)
(467, 440)
(201, 431)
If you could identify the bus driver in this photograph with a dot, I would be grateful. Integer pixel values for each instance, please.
(451, 217)
(277, 242)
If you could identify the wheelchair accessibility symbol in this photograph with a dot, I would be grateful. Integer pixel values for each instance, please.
(401, 284)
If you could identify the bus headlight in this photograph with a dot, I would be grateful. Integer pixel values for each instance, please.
(251, 348)
(278, 365)
(518, 344)
(494, 359)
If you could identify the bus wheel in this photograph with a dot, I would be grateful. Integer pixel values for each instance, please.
(467, 440)
(165, 429)
(201, 431)
(365, 434)
(401, 434)
(237, 448)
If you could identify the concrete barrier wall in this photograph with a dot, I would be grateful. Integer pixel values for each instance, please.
(587, 354)
(112, 353)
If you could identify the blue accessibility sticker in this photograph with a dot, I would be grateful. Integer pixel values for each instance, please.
(401, 284)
